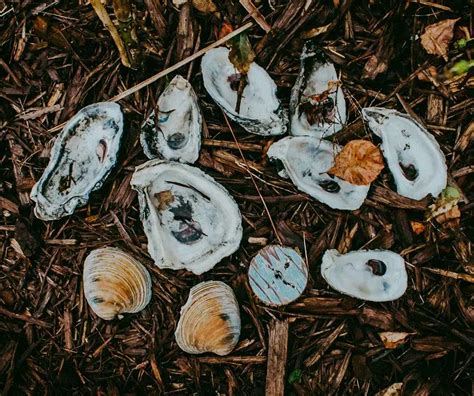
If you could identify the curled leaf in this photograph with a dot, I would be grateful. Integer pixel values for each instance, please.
(359, 163)
(445, 210)
(437, 36)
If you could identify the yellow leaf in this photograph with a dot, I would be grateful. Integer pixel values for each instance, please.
(241, 52)
(393, 339)
(436, 38)
(314, 32)
(359, 163)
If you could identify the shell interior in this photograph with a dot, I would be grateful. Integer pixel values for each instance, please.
(260, 110)
(373, 275)
(306, 160)
(413, 155)
(190, 220)
(210, 320)
(277, 275)
(173, 132)
(317, 104)
(82, 157)
(115, 283)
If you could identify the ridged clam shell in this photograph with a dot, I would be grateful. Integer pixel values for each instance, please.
(260, 110)
(210, 320)
(175, 132)
(115, 283)
(407, 144)
(373, 275)
(82, 157)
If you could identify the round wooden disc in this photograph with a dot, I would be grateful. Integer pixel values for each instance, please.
(277, 275)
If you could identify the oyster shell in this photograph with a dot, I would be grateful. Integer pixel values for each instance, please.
(413, 155)
(82, 157)
(306, 160)
(277, 275)
(190, 220)
(175, 134)
(210, 320)
(260, 110)
(317, 104)
(373, 275)
(115, 283)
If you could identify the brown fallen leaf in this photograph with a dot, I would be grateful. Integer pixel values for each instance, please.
(359, 163)
(437, 36)
(393, 390)
(417, 227)
(393, 339)
(241, 52)
(164, 199)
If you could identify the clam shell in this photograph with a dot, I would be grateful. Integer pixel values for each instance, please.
(82, 157)
(260, 109)
(306, 160)
(277, 275)
(115, 283)
(210, 320)
(190, 220)
(175, 133)
(317, 91)
(373, 275)
(413, 155)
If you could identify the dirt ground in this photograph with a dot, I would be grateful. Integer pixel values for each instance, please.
(56, 57)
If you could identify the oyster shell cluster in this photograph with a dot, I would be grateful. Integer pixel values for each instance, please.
(192, 222)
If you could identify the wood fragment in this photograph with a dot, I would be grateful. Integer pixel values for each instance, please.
(277, 355)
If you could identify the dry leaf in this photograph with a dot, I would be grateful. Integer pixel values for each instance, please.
(445, 210)
(204, 6)
(241, 52)
(393, 339)
(312, 33)
(393, 390)
(417, 227)
(359, 163)
(436, 38)
(164, 199)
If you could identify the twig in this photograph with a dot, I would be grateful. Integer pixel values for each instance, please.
(277, 355)
(24, 318)
(170, 69)
(256, 14)
(253, 180)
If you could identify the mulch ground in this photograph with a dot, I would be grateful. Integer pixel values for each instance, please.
(51, 342)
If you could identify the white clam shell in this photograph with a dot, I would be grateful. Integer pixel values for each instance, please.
(210, 320)
(406, 142)
(277, 275)
(115, 283)
(81, 159)
(175, 133)
(350, 274)
(190, 220)
(306, 160)
(317, 78)
(260, 110)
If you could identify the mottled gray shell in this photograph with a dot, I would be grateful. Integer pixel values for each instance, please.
(317, 78)
(260, 110)
(175, 132)
(306, 160)
(373, 275)
(277, 275)
(407, 144)
(190, 220)
(82, 157)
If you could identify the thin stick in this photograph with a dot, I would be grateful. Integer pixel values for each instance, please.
(255, 14)
(170, 69)
(253, 180)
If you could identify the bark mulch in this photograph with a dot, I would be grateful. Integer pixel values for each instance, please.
(56, 57)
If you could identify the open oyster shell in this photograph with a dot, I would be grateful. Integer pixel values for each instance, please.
(413, 155)
(317, 104)
(260, 110)
(82, 157)
(190, 220)
(115, 283)
(373, 275)
(277, 275)
(306, 160)
(210, 320)
(175, 133)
